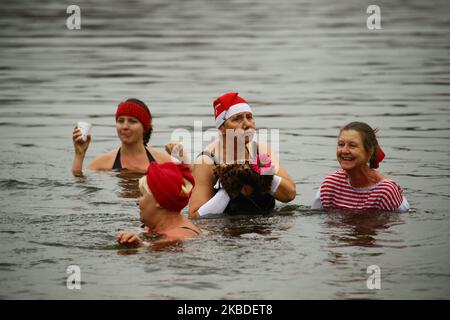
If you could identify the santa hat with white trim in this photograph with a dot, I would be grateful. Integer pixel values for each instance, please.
(227, 106)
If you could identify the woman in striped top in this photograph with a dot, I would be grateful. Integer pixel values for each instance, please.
(356, 185)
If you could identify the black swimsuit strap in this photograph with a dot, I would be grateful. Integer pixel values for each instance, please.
(209, 155)
(118, 165)
(149, 156)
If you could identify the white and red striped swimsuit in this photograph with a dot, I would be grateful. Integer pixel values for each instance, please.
(336, 192)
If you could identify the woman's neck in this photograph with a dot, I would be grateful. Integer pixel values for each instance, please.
(165, 220)
(362, 177)
(132, 149)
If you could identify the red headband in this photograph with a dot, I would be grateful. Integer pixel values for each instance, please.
(380, 156)
(165, 181)
(132, 109)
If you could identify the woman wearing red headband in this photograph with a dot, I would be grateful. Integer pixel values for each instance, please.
(234, 119)
(356, 185)
(165, 191)
(134, 128)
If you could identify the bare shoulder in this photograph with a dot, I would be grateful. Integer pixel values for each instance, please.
(104, 161)
(159, 156)
(182, 233)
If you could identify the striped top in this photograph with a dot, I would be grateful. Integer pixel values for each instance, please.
(336, 192)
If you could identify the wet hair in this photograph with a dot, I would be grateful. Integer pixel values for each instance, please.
(368, 137)
(147, 134)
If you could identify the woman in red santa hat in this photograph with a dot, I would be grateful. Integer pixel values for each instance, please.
(357, 185)
(134, 128)
(165, 191)
(236, 124)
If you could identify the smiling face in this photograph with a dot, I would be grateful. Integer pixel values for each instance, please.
(243, 125)
(129, 130)
(350, 150)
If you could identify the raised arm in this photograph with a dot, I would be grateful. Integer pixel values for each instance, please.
(80, 147)
(176, 150)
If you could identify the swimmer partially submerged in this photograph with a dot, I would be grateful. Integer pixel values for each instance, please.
(236, 126)
(134, 128)
(165, 191)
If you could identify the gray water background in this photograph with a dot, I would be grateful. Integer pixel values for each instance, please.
(306, 67)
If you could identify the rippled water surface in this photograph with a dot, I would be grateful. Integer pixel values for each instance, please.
(306, 67)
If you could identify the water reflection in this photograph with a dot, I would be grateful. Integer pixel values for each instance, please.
(250, 226)
(129, 184)
(364, 229)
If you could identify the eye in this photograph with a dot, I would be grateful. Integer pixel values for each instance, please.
(120, 120)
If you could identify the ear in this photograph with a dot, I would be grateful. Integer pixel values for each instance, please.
(158, 205)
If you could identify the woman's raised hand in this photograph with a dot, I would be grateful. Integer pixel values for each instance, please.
(79, 144)
(176, 150)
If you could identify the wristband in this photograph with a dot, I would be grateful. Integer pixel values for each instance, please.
(275, 184)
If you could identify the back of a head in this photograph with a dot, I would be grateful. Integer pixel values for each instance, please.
(170, 184)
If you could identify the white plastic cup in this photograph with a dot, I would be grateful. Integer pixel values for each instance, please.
(85, 128)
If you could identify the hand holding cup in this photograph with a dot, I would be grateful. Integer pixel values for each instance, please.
(81, 137)
(85, 129)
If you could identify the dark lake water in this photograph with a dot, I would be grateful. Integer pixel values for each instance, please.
(306, 67)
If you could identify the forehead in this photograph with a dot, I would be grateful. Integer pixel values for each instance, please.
(241, 114)
(350, 135)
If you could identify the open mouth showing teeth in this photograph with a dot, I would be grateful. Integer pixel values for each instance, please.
(347, 159)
